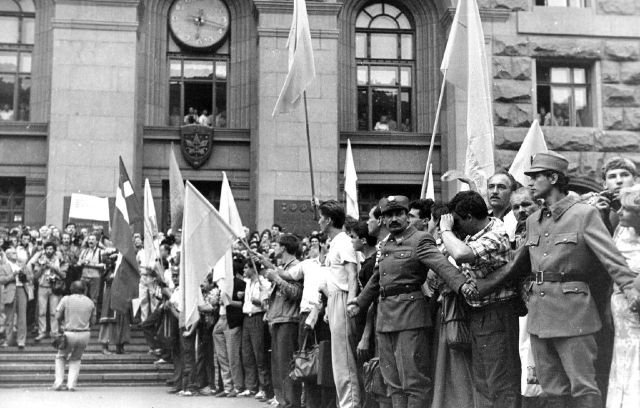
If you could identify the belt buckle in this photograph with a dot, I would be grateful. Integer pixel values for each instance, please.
(383, 293)
(539, 277)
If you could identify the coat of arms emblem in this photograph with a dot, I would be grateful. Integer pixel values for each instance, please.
(196, 143)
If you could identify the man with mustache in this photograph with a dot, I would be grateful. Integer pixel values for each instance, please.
(403, 312)
(500, 186)
(522, 206)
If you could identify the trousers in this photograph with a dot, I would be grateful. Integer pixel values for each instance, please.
(17, 310)
(284, 341)
(47, 298)
(256, 375)
(227, 344)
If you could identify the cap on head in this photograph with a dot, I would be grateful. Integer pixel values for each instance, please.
(394, 203)
(548, 162)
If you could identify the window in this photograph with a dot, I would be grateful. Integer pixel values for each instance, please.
(385, 68)
(198, 87)
(562, 3)
(17, 28)
(12, 201)
(563, 95)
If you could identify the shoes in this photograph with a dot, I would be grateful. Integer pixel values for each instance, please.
(120, 349)
(106, 352)
(174, 391)
(169, 383)
(41, 337)
(58, 388)
(247, 393)
(72, 389)
(232, 394)
(206, 391)
(261, 395)
(160, 361)
(187, 393)
(4, 344)
(20, 347)
(273, 402)
(221, 394)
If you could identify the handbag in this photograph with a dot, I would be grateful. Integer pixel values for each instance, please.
(454, 320)
(59, 342)
(304, 366)
(373, 381)
(58, 286)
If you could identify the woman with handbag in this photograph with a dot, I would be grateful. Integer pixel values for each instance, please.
(16, 282)
(75, 314)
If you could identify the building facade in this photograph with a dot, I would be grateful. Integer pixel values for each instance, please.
(85, 81)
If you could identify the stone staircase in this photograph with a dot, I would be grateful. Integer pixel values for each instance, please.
(34, 366)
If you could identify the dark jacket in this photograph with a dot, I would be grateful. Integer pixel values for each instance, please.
(404, 261)
(234, 314)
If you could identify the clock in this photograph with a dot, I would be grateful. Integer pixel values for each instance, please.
(199, 24)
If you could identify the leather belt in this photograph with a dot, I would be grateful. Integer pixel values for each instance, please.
(397, 290)
(77, 330)
(541, 277)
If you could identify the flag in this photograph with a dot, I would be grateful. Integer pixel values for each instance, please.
(533, 143)
(464, 65)
(229, 213)
(150, 228)
(301, 66)
(431, 193)
(125, 214)
(350, 187)
(206, 237)
(176, 192)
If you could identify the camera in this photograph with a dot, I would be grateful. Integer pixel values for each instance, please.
(613, 198)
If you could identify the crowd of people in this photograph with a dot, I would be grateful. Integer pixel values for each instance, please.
(528, 297)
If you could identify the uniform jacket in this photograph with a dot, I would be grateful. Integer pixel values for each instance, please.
(405, 259)
(8, 282)
(569, 237)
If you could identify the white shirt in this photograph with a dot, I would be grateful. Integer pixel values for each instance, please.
(314, 275)
(258, 289)
(340, 253)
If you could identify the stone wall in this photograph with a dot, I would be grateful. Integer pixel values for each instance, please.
(615, 88)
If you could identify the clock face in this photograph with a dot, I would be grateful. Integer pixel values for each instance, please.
(199, 23)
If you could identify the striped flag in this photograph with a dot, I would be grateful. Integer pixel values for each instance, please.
(150, 228)
(301, 64)
(464, 65)
(126, 213)
(350, 184)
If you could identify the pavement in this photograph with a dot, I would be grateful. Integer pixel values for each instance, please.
(115, 397)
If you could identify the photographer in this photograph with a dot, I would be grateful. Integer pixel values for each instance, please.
(18, 290)
(92, 266)
(46, 267)
(617, 173)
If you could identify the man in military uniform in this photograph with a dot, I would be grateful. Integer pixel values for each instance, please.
(403, 312)
(567, 248)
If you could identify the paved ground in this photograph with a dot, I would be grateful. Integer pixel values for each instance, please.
(110, 397)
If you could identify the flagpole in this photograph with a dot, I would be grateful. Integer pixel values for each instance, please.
(313, 185)
(425, 179)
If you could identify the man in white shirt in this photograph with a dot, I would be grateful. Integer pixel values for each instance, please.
(342, 287)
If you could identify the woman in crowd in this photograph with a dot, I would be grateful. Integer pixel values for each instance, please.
(624, 380)
(75, 315)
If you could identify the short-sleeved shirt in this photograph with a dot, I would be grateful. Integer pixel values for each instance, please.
(314, 276)
(491, 248)
(77, 311)
(340, 253)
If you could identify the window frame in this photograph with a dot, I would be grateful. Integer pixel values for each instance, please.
(398, 63)
(583, 4)
(19, 49)
(590, 84)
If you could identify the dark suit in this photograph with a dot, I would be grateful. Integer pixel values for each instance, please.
(404, 261)
(570, 238)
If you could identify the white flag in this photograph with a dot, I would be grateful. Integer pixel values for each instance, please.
(350, 186)
(533, 143)
(431, 193)
(206, 237)
(301, 65)
(229, 213)
(465, 65)
(150, 228)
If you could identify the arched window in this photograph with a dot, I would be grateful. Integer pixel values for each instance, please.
(17, 27)
(386, 66)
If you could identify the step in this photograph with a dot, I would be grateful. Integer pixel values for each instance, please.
(92, 357)
(88, 378)
(95, 347)
(45, 384)
(90, 367)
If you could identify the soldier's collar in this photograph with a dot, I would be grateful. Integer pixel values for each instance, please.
(408, 232)
(558, 209)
